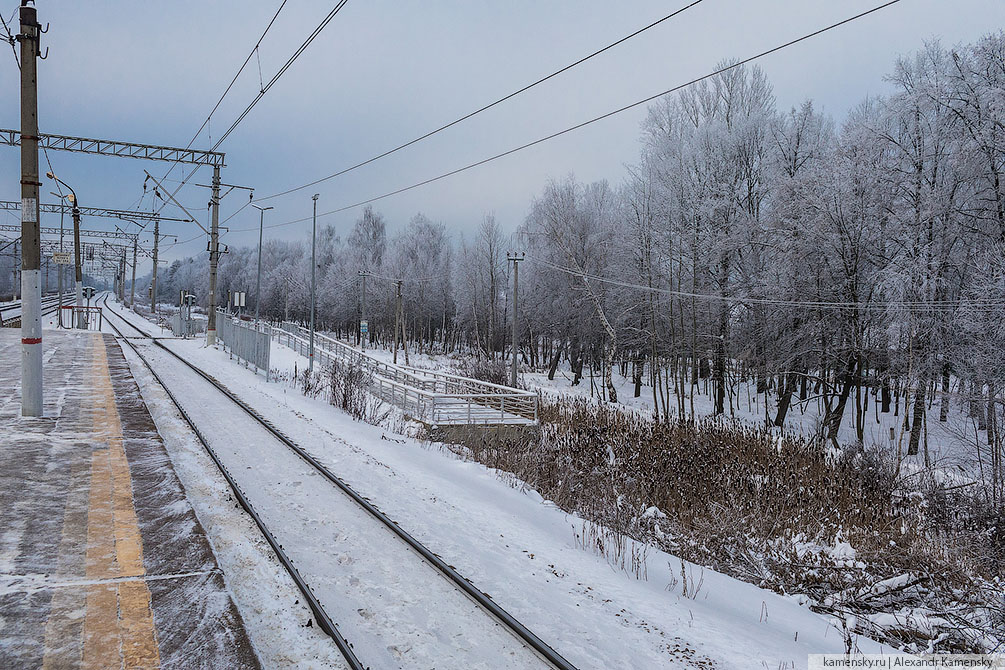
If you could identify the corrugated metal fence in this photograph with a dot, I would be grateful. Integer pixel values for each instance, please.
(248, 341)
(181, 327)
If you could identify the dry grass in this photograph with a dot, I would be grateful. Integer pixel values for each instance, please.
(771, 510)
(779, 511)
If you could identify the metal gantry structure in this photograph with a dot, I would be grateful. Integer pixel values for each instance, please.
(151, 152)
(104, 147)
(132, 216)
(60, 208)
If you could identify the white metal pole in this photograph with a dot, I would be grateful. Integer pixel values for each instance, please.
(258, 282)
(314, 239)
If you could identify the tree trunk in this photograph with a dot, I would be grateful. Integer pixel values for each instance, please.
(576, 362)
(944, 409)
(835, 415)
(609, 352)
(719, 371)
(637, 366)
(787, 388)
(553, 365)
(917, 418)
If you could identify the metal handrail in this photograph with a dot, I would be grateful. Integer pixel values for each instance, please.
(411, 370)
(407, 389)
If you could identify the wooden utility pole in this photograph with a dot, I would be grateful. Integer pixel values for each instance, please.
(515, 260)
(31, 245)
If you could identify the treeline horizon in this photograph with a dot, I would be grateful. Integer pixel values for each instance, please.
(746, 242)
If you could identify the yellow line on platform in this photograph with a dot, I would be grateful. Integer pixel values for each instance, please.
(118, 626)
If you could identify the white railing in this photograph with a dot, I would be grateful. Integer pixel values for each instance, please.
(432, 397)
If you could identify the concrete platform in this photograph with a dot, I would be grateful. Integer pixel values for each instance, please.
(103, 563)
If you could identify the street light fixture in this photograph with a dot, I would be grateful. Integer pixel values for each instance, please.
(79, 276)
(59, 268)
(258, 283)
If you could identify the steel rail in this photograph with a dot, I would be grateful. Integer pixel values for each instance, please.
(17, 305)
(324, 621)
(49, 305)
(521, 632)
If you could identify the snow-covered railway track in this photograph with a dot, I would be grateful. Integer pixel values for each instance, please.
(10, 314)
(399, 611)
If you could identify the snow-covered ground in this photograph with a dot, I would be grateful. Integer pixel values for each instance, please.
(270, 604)
(523, 550)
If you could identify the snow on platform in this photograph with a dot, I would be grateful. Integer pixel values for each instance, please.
(102, 561)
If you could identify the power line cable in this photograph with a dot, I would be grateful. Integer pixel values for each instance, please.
(10, 36)
(253, 51)
(292, 59)
(590, 121)
(261, 94)
(486, 107)
(239, 210)
(909, 305)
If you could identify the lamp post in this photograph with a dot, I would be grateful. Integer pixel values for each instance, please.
(79, 275)
(314, 267)
(258, 282)
(59, 268)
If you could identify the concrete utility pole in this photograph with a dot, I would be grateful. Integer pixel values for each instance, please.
(258, 282)
(153, 282)
(515, 260)
(122, 276)
(314, 267)
(31, 245)
(59, 274)
(132, 286)
(77, 262)
(14, 278)
(214, 256)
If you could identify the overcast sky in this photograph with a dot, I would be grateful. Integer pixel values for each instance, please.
(384, 72)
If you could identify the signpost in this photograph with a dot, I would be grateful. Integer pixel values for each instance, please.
(363, 327)
(62, 258)
(238, 300)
